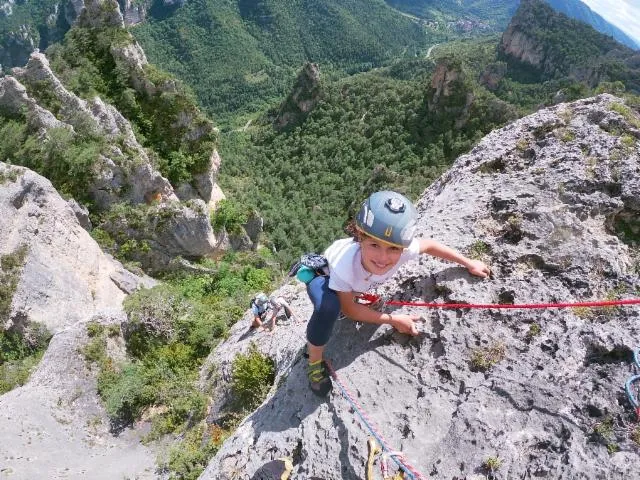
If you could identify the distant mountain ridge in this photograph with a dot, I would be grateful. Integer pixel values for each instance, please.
(238, 56)
(580, 11)
(495, 14)
(552, 46)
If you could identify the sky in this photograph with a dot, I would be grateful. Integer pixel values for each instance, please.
(624, 14)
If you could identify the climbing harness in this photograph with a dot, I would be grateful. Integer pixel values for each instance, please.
(635, 400)
(398, 458)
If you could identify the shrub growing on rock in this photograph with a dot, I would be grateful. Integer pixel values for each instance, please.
(252, 377)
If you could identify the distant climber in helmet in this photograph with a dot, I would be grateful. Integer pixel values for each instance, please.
(383, 240)
(266, 310)
(259, 307)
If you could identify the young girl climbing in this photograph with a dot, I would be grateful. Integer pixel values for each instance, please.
(383, 240)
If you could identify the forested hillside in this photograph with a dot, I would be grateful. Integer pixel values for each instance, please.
(240, 56)
(388, 128)
(555, 46)
(370, 131)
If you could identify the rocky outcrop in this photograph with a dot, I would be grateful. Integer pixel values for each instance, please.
(66, 277)
(123, 171)
(450, 92)
(6, 7)
(15, 101)
(122, 177)
(547, 201)
(100, 13)
(302, 99)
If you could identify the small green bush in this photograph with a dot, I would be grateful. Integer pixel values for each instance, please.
(20, 353)
(16, 373)
(479, 250)
(492, 464)
(9, 174)
(188, 459)
(10, 267)
(627, 113)
(534, 330)
(230, 216)
(252, 375)
(482, 359)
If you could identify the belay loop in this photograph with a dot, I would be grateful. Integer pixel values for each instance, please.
(367, 299)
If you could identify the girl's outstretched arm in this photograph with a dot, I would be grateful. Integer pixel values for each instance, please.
(437, 249)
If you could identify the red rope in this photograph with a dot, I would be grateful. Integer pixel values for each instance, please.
(603, 303)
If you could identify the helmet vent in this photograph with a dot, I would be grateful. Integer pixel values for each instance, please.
(395, 205)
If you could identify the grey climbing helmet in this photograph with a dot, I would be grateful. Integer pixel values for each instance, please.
(261, 298)
(389, 217)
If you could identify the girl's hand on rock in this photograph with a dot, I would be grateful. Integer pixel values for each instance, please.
(478, 268)
(404, 323)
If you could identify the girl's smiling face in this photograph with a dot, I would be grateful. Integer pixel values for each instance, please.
(378, 257)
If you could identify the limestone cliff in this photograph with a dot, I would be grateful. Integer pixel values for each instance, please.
(551, 203)
(55, 425)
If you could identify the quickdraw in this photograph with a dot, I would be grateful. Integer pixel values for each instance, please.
(374, 449)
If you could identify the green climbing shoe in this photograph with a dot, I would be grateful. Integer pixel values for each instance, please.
(319, 379)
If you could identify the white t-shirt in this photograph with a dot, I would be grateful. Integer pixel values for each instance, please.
(347, 273)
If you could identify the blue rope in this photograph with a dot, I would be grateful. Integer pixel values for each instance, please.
(630, 381)
(627, 387)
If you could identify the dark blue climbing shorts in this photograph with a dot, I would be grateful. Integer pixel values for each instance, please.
(326, 309)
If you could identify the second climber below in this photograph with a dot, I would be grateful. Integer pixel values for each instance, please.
(383, 240)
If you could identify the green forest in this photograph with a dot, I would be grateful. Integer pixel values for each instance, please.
(239, 57)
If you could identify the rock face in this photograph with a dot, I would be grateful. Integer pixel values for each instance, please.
(55, 423)
(545, 201)
(66, 277)
(517, 44)
(302, 99)
(450, 92)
